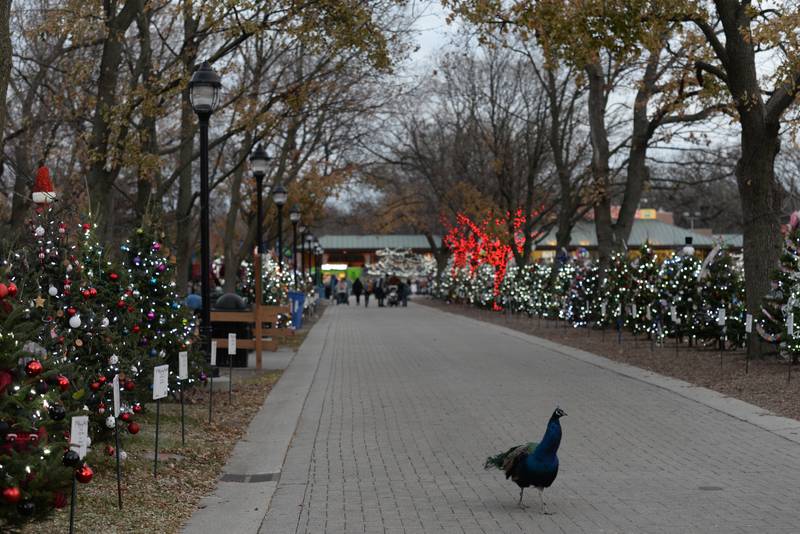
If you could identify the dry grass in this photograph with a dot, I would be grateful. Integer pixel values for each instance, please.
(765, 384)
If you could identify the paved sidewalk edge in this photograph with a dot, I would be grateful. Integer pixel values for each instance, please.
(782, 426)
(241, 506)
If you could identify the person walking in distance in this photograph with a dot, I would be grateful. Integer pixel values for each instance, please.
(368, 290)
(358, 288)
(341, 292)
(380, 290)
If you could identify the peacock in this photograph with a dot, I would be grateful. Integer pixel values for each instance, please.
(532, 464)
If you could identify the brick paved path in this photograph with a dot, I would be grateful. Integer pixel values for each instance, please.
(407, 404)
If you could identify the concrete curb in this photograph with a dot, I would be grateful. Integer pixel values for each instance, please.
(249, 478)
(766, 420)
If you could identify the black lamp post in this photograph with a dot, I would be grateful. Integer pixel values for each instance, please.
(204, 88)
(294, 217)
(310, 246)
(301, 229)
(279, 197)
(258, 162)
(320, 251)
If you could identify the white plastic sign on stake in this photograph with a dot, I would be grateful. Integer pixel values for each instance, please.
(116, 395)
(79, 434)
(748, 323)
(721, 317)
(213, 353)
(673, 314)
(790, 324)
(648, 313)
(183, 365)
(633, 310)
(603, 309)
(160, 381)
(231, 344)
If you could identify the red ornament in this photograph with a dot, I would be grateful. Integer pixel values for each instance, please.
(43, 192)
(94, 386)
(92, 291)
(12, 495)
(120, 304)
(125, 416)
(136, 329)
(33, 368)
(86, 293)
(3, 291)
(59, 500)
(84, 474)
(71, 311)
(129, 385)
(133, 427)
(137, 408)
(102, 379)
(6, 378)
(131, 308)
(12, 289)
(86, 227)
(114, 277)
(63, 382)
(110, 450)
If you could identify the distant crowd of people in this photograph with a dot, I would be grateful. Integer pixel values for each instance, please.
(387, 290)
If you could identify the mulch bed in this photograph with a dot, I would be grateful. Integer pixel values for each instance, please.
(765, 383)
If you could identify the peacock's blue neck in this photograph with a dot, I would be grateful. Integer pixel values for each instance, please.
(551, 440)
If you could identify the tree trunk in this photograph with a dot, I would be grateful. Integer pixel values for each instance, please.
(598, 136)
(232, 258)
(638, 172)
(440, 254)
(183, 215)
(5, 70)
(184, 237)
(148, 175)
(761, 197)
(102, 173)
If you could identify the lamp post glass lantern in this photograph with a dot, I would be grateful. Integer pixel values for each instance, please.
(258, 162)
(279, 197)
(204, 89)
(294, 217)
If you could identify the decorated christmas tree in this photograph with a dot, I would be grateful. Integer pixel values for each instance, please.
(559, 292)
(644, 310)
(784, 297)
(721, 288)
(85, 312)
(583, 307)
(680, 290)
(165, 326)
(541, 295)
(615, 289)
(275, 283)
(35, 471)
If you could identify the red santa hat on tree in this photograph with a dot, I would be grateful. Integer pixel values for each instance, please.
(43, 192)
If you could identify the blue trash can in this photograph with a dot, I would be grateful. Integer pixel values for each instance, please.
(296, 301)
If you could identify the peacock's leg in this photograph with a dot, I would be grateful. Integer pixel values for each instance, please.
(544, 504)
(520, 497)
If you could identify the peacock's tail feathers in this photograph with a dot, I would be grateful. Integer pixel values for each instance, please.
(500, 461)
(496, 461)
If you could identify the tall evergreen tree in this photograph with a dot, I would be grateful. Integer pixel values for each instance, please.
(643, 301)
(722, 288)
